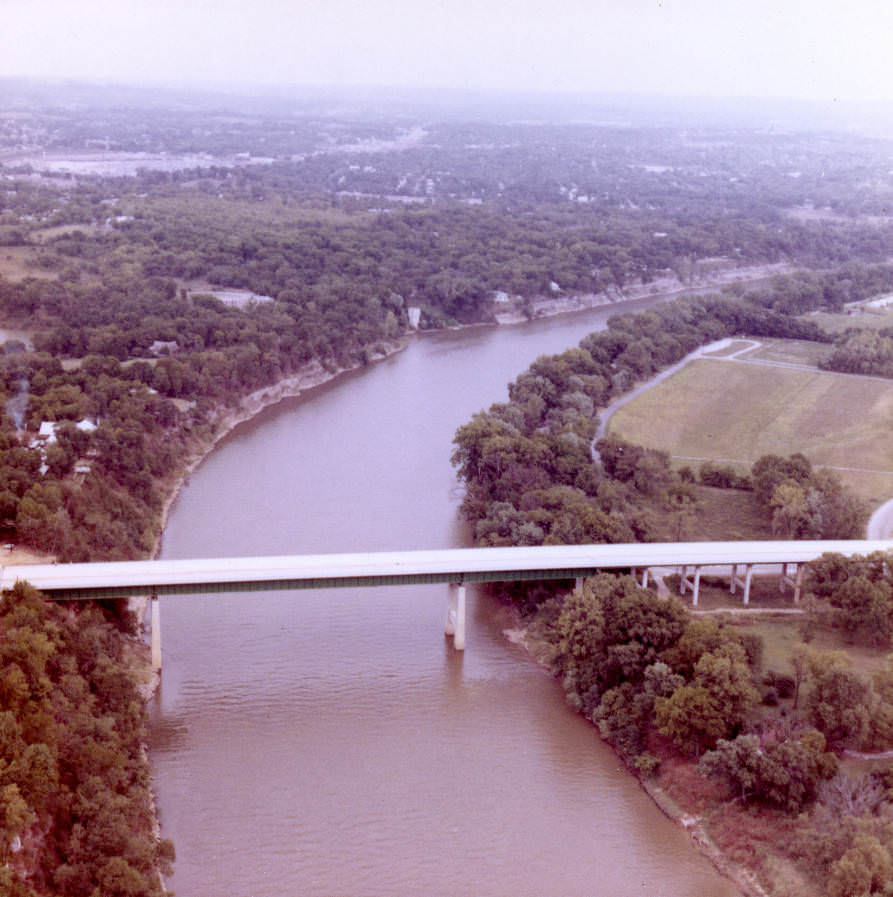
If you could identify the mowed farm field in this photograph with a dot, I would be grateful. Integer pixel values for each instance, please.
(732, 411)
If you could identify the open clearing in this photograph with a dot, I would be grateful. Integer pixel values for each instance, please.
(859, 318)
(729, 411)
(18, 262)
(790, 352)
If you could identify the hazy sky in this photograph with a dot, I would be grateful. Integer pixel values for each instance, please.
(823, 49)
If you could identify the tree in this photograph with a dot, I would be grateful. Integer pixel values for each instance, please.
(610, 631)
(15, 816)
(866, 606)
(727, 676)
(840, 700)
(785, 774)
(790, 510)
(701, 635)
(714, 705)
(691, 718)
(769, 471)
(866, 868)
(579, 637)
(623, 717)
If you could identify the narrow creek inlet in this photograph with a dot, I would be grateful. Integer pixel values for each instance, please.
(332, 742)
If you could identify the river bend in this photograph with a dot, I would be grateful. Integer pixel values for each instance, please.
(332, 742)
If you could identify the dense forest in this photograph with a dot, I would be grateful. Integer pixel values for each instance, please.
(76, 809)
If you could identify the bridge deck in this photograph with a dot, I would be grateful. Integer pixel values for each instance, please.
(181, 577)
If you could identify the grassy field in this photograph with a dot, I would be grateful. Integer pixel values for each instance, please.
(17, 263)
(43, 234)
(722, 515)
(873, 319)
(791, 351)
(780, 634)
(728, 411)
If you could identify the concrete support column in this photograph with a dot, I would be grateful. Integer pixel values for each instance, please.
(645, 578)
(578, 582)
(452, 600)
(693, 584)
(156, 633)
(744, 583)
(796, 583)
(455, 620)
(748, 577)
(459, 637)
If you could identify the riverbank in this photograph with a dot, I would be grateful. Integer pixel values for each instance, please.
(667, 287)
(226, 419)
(528, 635)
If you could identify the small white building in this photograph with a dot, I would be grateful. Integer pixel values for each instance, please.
(47, 431)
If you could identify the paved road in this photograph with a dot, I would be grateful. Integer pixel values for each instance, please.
(880, 524)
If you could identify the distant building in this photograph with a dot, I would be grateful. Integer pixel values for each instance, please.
(47, 431)
(164, 347)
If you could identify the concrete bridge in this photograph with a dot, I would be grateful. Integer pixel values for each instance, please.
(455, 567)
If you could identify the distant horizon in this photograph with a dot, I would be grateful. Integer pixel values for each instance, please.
(266, 88)
(811, 51)
(479, 103)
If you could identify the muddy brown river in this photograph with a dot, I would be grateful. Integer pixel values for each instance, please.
(332, 742)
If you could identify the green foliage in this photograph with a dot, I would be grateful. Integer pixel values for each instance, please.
(859, 591)
(862, 351)
(701, 635)
(623, 716)
(72, 770)
(715, 704)
(722, 476)
(784, 773)
(806, 504)
(692, 718)
(839, 703)
(611, 630)
(866, 868)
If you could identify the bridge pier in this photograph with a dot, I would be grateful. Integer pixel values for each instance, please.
(155, 633)
(455, 619)
(796, 583)
(693, 584)
(744, 583)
